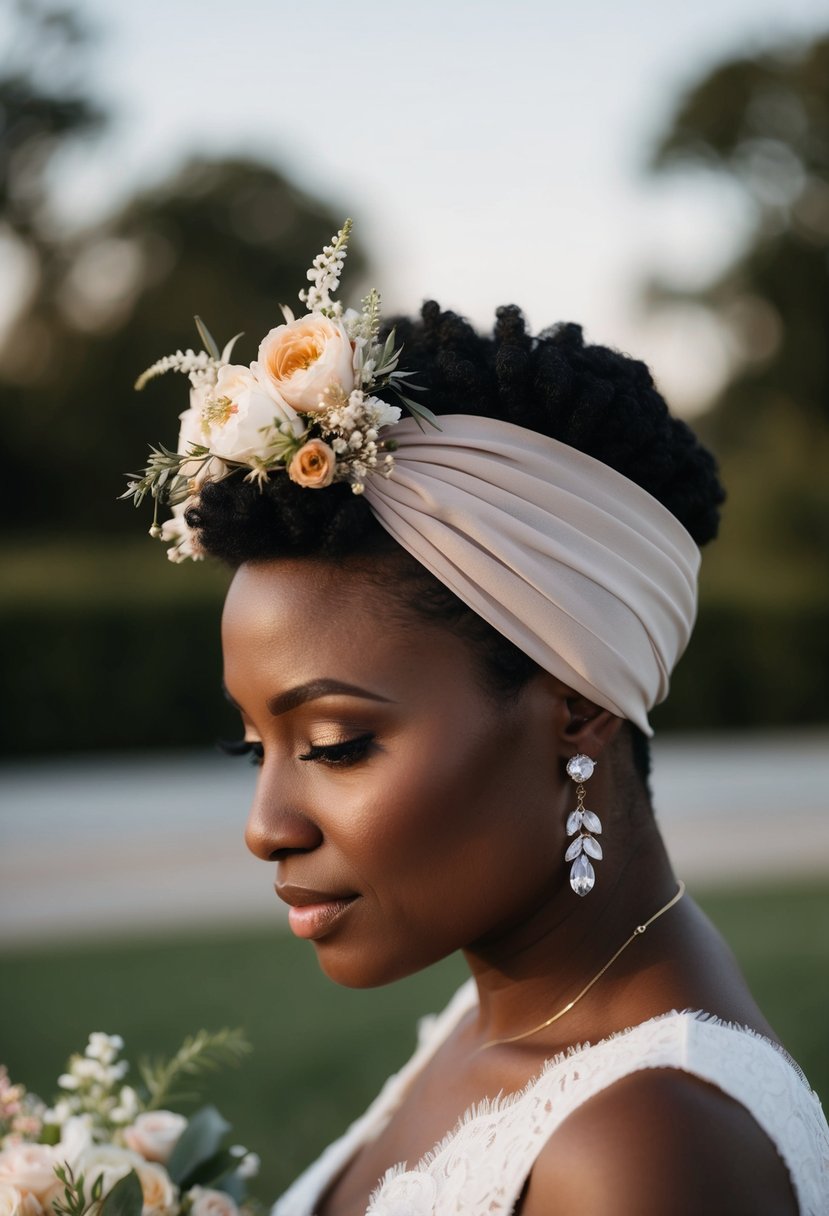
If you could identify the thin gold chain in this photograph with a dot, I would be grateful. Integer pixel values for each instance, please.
(637, 932)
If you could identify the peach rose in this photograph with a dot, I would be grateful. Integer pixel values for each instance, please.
(29, 1167)
(305, 357)
(211, 1203)
(14, 1202)
(56, 1193)
(154, 1134)
(313, 465)
(160, 1195)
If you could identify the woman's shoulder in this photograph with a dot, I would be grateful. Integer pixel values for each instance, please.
(661, 1140)
(683, 1113)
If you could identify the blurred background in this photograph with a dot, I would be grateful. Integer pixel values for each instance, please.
(661, 177)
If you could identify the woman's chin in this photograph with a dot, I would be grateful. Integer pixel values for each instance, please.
(351, 967)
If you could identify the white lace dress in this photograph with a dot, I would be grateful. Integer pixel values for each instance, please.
(482, 1165)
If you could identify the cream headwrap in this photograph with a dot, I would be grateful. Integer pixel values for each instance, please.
(577, 565)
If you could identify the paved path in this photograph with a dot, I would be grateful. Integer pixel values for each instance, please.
(108, 846)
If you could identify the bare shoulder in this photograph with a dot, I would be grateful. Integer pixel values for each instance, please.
(660, 1141)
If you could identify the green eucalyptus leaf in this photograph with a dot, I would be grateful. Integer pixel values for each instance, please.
(198, 1142)
(227, 350)
(125, 1199)
(419, 411)
(232, 1185)
(210, 343)
(209, 1172)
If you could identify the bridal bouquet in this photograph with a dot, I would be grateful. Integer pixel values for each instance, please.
(108, 1149)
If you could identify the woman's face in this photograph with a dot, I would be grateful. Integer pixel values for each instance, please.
(409, 812)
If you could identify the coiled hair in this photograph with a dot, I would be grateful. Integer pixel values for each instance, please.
(591, 397)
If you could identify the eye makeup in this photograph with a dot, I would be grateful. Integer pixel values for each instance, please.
(350, 751)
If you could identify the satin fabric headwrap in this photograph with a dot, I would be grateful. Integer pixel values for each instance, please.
(577, 565)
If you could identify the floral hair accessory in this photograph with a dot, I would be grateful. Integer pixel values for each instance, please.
(304, 408)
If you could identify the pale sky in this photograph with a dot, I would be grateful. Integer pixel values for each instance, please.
(489, 152)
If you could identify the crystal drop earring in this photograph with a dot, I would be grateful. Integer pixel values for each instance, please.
(587, 825)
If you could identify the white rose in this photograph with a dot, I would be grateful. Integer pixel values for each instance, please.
(29, 1167)
(305, 357)
(243, 410)
(15, 1203)
(106, 1160)
(160, 1195)
(211, 1203)
(193, 430)
(155, 1134)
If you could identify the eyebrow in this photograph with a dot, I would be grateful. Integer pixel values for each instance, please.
(293, 697)
(311, 691)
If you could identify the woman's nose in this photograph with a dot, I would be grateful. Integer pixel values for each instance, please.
(277, 824)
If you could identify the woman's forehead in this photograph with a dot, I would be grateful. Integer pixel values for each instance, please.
(293, 621)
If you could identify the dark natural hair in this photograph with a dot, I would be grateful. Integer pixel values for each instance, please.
(593, 398)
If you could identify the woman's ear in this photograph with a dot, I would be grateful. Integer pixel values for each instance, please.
(587, 728)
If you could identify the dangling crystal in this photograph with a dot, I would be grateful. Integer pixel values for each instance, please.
(591, 847)
(573, 822)
(582, 876)
(580, 768)
(592, 822)
(575, 848)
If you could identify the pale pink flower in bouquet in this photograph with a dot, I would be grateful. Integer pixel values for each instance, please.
(154, 1134)
(29, 1168)
(14, 1202)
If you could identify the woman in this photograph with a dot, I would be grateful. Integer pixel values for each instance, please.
(446, 678)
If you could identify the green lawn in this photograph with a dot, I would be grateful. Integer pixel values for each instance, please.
(321, 1052)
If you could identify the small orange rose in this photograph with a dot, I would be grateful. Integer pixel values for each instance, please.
(313, 465)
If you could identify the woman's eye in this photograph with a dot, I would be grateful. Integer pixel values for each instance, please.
(345, 753)
(251, 748)
(348, 752)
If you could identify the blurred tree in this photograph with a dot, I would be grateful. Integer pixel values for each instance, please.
(763, 122)
(43, 107)
(229, 239)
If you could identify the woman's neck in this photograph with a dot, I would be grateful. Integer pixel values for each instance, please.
(529, 970)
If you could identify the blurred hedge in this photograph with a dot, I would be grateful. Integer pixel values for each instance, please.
(114, 648)
(750, 665)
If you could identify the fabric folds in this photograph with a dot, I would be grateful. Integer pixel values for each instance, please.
(577, 565)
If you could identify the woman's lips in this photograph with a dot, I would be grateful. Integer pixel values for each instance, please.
(314, 920)
(313, 913)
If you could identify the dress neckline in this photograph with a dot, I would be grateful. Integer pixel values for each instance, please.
(434, 1030)
(503, 1102)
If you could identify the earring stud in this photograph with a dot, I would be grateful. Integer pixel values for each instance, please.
(584, 825)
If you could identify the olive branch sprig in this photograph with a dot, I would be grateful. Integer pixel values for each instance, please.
(199, 1053)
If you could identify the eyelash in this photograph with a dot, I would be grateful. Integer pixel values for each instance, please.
(334, 754)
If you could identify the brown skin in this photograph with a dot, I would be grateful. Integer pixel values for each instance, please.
(449, 829)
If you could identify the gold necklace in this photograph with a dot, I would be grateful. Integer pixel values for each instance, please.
(637, 932)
